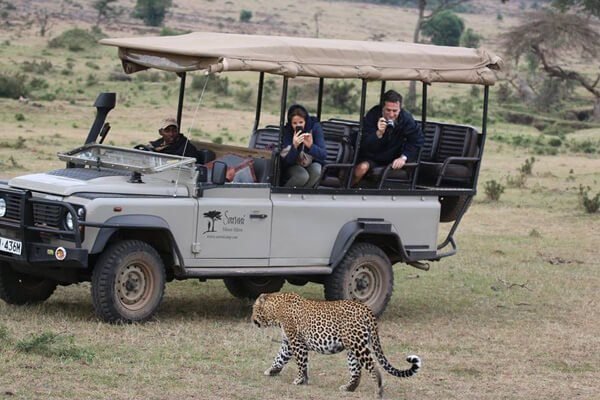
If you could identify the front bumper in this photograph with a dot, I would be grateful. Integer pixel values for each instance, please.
(36, 223)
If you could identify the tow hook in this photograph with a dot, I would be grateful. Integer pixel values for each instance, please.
(419, 265)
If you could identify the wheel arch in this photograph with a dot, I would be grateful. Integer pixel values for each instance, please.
(376, 231)
(148, 228)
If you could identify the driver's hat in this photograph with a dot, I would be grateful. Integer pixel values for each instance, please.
(165, 123)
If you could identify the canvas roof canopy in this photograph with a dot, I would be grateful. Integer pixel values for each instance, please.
(295, 56)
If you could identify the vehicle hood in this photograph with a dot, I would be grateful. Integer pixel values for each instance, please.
(66, 182)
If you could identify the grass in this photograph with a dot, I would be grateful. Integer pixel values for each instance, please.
(514, 315)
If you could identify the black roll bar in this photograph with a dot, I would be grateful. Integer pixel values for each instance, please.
(259, 95)
(363, 101)
(320, 99)
(182, 76)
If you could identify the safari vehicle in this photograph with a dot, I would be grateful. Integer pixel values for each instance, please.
(129, 220)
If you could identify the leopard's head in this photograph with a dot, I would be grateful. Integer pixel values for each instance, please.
(264, 310)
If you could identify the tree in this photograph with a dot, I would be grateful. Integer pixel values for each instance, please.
(106, 11)
(591, 6)
(444, 28)
(151, 11)
(470, 38)
(538, 37)
(440, 5)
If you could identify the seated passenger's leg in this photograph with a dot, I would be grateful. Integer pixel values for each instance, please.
(296, 176)
(314, 172)
(360, 171)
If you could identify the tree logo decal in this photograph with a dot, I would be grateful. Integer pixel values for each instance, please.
(213, 216)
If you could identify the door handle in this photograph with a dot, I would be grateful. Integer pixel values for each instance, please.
(258, 216)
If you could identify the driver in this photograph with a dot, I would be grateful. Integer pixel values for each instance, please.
(173, 142)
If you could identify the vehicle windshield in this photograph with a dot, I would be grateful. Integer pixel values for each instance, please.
(120, 158)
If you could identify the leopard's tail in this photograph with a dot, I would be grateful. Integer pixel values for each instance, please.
(385, 364)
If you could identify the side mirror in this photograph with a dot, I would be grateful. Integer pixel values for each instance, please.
(219, 172)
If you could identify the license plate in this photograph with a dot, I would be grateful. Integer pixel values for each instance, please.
(10, 246)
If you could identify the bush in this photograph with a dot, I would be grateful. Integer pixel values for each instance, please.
(343, 96)
(74, 40)
(527, 167)
(152, 12)
(245, 15)
(12, 86)
(244, 95)
(493, 190)
(518, 181)
(470, 38)
(590, 204)
(19, 117)
(37, 68)
(215, 84)
(49, 344)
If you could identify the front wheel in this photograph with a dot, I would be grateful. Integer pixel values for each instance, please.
(17, 288)
(128, 282)
(251, 288)
(366, 275)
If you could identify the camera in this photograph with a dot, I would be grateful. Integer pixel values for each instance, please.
(390, 123)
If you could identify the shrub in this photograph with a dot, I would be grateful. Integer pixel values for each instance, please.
(19, 117)
(470, 38)
(343, 96)
(38, 84)
(518, 181)
(37, 68)
(215, 84)
(245, 15)
(527, 167)
(590, 204)
(244, 95)
(12, 86)
(75, 39)
(493, 190)
(152, 12)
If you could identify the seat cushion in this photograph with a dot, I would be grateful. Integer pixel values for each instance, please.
(376, 173)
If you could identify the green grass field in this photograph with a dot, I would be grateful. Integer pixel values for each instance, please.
(514, 315)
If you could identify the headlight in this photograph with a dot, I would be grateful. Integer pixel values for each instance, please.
(69, 221)
(2, 207)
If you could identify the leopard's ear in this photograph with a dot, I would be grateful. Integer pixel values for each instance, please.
(262, 298)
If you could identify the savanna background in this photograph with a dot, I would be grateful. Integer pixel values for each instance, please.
(514, 315)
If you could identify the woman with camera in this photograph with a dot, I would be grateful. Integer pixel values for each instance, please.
(390, 136)
(304, 151)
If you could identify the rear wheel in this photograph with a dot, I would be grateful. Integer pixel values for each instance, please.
(366, 275)
(17, 288)
(128, 282)
(251, 288)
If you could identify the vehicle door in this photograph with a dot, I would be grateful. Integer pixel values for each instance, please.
(234, 226)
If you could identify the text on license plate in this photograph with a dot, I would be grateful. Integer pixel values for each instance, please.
(10, 246)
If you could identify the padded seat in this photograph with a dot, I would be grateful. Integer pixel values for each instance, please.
(454, 159)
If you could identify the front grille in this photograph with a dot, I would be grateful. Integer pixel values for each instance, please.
(47, 215)
(13, 206)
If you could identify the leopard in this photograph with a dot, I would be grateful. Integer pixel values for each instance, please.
(326, 327)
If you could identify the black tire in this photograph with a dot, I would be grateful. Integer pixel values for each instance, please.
(128, 282)
(17, 288)
(251, 288)
(366, 275)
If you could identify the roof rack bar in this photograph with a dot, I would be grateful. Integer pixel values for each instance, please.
(320, 99)
(182, 76)
(259, 95)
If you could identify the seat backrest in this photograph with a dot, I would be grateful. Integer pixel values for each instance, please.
(262, 170)
(264, 138)
(431, 136)
(337, 141)
(456, 141)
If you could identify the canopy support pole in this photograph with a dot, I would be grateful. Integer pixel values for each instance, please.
(277, 161)
(382, 92)
(486, 97)
(261, 81)
(363, 105)
(320, 99)
(182, 76)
